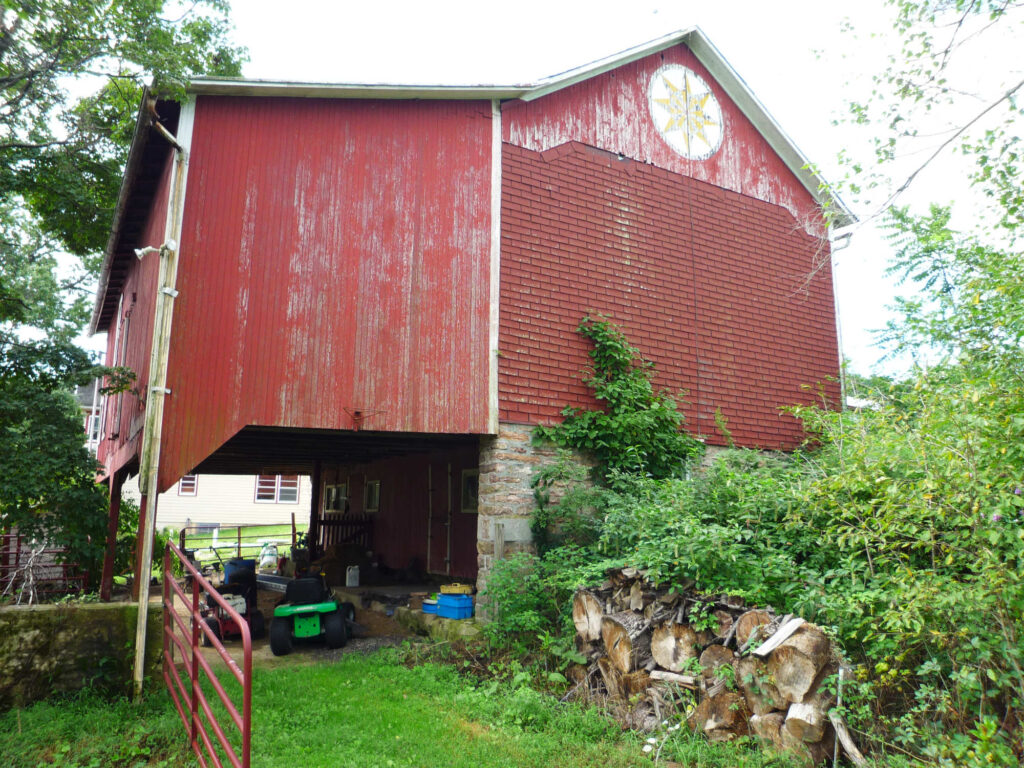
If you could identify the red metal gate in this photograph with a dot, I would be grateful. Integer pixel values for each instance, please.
(183, 630)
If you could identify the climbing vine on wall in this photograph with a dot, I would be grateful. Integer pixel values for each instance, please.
(638, 430)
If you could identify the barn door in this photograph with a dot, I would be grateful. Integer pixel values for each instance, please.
(439, 517)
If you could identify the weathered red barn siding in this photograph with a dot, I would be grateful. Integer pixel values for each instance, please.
(611, 112)
(724, 293)
(137, 303)
(400, 526)
(334, 258)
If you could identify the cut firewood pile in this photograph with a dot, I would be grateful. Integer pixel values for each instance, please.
(732, 670)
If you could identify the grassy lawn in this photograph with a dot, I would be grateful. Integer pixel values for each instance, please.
(252, 535)
(365, 711)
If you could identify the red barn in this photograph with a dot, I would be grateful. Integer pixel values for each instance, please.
(378, 285)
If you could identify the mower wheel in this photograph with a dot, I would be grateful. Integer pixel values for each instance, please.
(214, 626)
(334, 629)
(280, 636)
(349, 612)
(257, 625)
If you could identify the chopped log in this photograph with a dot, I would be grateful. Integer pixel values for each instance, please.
(781, 635)
(636, 597)
(587, 615)
(611, 677)
(806, 720)
(814, 753)
(768, 727)
(633, 683)
(795, 664)
(673, 645)
(722, 717)
(755, 682)
(626, 640)
(746, 623)
(725, 622)
(687, 681)
(644, 716)
(713, 657)
(849, 747)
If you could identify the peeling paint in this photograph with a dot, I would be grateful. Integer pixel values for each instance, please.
(612, 112)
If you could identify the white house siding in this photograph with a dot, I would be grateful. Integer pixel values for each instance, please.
(227, 500)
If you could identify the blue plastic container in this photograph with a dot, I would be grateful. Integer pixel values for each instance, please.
(455, 606)
(430, 606)
(237, 564)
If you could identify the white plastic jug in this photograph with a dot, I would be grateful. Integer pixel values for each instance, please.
(352, 576)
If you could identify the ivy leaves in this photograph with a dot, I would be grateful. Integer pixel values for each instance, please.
(638, 430)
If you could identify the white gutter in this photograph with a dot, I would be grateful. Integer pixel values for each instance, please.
(149, 470)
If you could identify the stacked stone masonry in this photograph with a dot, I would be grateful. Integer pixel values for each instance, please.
(508, 463)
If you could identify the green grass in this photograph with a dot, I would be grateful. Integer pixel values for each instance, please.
(251, 535)
(365, 711)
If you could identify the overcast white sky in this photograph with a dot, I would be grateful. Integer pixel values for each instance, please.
(795, 56)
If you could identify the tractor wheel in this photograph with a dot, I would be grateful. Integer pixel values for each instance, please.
(334, 629)
(349, 612)
(257, 625)
(214, 626)
(281, 636)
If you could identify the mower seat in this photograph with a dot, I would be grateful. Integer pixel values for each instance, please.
(306, 591)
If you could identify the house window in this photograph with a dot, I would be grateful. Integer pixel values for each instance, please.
(188, 485)
(470, 490)
(335, 497)
(277, 489)
(371, 496)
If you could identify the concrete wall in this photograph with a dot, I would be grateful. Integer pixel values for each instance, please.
(47, 650)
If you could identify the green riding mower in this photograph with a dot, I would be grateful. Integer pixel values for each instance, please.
(309, 612)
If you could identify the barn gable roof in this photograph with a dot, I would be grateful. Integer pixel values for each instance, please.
(693, 38)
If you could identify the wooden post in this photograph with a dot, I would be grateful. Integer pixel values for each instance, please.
(139, 548)
(113, 519)
(238, 545)
(313, 537)
(293, 531)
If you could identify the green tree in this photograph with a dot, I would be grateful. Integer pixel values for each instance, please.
(61, 159)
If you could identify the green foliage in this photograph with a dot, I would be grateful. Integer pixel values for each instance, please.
(60, 169)
(532, 599)
(638, 430)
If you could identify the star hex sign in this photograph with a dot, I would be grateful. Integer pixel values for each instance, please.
(685, 112)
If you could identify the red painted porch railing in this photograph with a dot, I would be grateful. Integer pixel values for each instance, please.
(183, 633)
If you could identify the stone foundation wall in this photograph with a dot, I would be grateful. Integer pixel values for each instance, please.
(508, 463)
(47, 650)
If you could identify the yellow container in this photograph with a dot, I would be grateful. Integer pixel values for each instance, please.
(456, 589)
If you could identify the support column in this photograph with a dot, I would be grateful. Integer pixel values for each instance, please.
(139, 539)
(313, 538)
(113, 519)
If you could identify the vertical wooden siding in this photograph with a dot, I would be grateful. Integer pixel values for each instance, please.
(334, 258)
(611, 112)
(124, 413)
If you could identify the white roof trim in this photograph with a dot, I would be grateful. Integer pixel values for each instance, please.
(693, 38)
